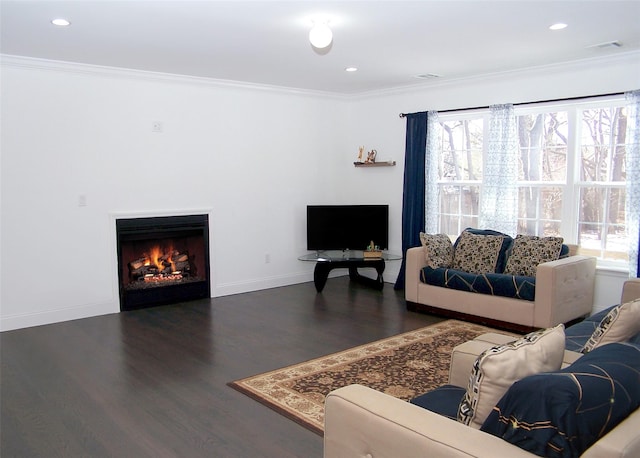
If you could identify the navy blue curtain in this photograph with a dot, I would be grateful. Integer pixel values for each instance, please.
(414, 184)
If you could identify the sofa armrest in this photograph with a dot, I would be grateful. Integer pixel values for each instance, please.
(564, 290)
(623, 441)
(360, 421)
(464, 356)
(416, 260)
(630, 290)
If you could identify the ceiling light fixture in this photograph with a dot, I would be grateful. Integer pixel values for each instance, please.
(60, 22)
(351, 69)
(320, 35)
(558, 26)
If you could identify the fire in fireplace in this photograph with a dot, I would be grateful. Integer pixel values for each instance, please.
(162, 260)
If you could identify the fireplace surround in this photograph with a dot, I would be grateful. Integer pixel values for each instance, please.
(162, 260)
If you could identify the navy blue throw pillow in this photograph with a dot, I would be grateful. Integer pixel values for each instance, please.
(443, 400)
(561, 414)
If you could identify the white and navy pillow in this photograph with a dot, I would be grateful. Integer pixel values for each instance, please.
(620, 324)
(498, 368)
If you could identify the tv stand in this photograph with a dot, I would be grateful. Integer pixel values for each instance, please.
(326, 261)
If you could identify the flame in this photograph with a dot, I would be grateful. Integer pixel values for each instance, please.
(155, 255)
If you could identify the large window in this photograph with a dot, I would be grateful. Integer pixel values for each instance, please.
(571, 178)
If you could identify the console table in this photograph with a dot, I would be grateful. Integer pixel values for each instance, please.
(326, 261)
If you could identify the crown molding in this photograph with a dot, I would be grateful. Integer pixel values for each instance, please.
(626, 58)
(631, 58)
(34, 63)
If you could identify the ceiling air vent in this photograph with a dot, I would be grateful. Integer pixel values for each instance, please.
(607, 44)
(427, 76)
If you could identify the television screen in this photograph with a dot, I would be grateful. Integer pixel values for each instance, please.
(347, 227)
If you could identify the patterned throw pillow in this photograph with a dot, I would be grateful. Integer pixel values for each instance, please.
(530, 250)
(498, 368)
(620, 324)
(438, 249)
(476, 254)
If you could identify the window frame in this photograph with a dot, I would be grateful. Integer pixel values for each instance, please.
(572, 186)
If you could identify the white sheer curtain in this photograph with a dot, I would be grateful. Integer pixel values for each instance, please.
(632, 209)
(431, 201)
(499, 194)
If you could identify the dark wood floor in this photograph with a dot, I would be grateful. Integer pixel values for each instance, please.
(152, 383)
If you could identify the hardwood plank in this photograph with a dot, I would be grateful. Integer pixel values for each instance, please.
(152, 382)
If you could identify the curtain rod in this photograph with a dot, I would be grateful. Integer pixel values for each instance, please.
(567, 99)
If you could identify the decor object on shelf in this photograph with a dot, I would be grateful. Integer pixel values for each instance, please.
(371, 157)
(370, 160)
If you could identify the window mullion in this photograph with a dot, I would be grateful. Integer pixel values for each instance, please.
(571, 192)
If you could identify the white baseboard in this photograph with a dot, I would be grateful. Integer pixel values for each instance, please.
(18, 321)
(27, 320)
(227, 289)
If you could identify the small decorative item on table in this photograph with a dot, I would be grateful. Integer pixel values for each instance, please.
(373, 251)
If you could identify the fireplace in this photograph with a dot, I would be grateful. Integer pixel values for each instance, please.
(162, 260)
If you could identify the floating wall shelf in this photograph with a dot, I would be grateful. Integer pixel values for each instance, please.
(375, 164)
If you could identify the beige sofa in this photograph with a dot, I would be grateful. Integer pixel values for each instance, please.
(564, 292)
(363, 422)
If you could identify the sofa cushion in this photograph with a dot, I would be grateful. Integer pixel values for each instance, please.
(528, 251)
(563, 413)
(443, 400)
(476, 254)
(498, 368)
(438, 249)
(619, 324)
(506, 245)
(495, 284)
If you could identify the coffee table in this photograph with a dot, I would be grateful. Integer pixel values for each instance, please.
(328, 260)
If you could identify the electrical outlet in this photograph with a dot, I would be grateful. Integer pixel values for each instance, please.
(82, 200)
(267, 258)
(156, 126)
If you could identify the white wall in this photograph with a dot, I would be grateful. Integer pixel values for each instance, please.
(252, 157)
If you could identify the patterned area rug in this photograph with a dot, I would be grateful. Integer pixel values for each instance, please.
(402, 366)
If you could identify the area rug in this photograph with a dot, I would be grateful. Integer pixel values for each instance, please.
(402, 366)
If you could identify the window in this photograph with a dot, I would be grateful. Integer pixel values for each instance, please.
(601, 182)
(460, 173)
(571, 178)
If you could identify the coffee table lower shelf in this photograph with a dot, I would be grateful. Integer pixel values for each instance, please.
(323, 267)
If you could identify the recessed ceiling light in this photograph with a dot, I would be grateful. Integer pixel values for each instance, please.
(351, 69)
(558, 26)
(60, 22)
(428, 76)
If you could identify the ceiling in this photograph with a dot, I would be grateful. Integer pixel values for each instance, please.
(266, 42)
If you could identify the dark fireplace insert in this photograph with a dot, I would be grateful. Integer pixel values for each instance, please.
(162, 260)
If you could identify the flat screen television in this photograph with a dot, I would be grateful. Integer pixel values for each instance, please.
(347, 227)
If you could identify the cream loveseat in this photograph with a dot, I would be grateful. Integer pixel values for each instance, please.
(564, 291)
(363, 422)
